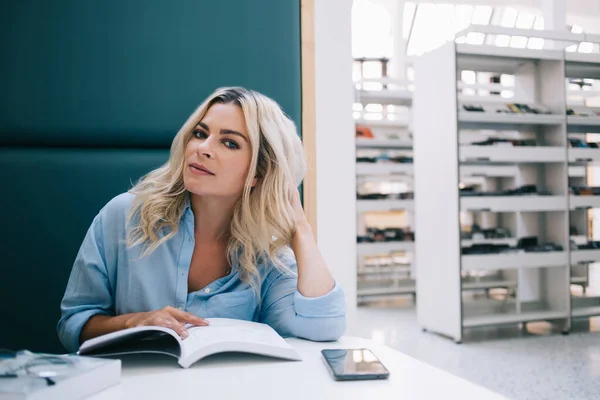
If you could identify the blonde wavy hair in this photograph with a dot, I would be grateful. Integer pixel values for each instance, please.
(262, 224)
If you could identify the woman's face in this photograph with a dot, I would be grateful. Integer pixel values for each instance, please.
(217, 157)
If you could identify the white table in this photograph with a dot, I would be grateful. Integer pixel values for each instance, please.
(243, 376)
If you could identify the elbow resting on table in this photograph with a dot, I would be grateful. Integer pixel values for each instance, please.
(323, 329)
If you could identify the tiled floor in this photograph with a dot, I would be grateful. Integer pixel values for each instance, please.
(532, 364)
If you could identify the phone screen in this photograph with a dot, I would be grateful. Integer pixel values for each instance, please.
(354, 364)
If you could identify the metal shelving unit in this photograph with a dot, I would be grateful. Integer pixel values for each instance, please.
(391, 134)
(536, 284)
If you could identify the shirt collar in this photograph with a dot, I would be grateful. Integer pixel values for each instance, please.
(188, 205)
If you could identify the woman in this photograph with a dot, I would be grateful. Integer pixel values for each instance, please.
(207, 235)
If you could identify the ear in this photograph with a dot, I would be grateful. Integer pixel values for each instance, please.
(255, 182)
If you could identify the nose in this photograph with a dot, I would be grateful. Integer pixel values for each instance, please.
(205, 149)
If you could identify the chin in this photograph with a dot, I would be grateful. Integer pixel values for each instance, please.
(200, 191)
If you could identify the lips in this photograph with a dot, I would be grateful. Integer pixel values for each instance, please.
(200, 168)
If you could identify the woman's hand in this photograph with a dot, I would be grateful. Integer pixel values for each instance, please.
(314, 278)
(169, 317)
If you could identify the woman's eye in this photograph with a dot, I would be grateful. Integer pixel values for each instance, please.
(231, 144)
(200, 134)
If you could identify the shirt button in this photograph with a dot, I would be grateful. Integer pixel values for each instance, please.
(207, 290)
(181, 308)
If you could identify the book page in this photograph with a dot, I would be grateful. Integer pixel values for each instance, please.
(141, 339)
(246, 335)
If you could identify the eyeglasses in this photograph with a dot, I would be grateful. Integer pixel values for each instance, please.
(25, 363)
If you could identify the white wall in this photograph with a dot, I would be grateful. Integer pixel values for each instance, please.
(335, 158)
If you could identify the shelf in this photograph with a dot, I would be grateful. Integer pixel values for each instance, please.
(489, 171)
(387, 270)
(579, 239)
(577, 171)
(514, 203)
(585, 306)
(585, 256)
(482, 118)
(383, 144)
(494, 173)
(510, 154)
(584, 58)
(386, 168)
(499, 319)
(514, 260)
(586, 311)
(384, 205)
(588, 124)
(582, 65)
(488, 284)
(578, 280)
(365, 249)
(382, 277)
(504, 241)
(576, 202)
(382, 123)
(499, 59)
(393, 97)
(584, 155)
(386, 291)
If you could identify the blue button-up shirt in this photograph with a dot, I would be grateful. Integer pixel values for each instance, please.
(111, 279)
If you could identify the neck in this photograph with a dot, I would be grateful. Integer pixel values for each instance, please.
(212, 217)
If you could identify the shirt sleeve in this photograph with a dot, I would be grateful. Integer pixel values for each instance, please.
(88, 291)
(291, 314)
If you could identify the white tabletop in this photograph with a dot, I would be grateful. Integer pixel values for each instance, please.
(243, 376)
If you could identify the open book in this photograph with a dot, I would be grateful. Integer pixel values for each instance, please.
(221, 335)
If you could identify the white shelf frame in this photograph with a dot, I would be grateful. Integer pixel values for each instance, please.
(392, 144)
(397, 97)
(542, 278)
(383, 248)
(384, 170)
(363, 206)
(509, 318)
(509, 154)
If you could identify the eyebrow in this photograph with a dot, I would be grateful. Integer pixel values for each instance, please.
(224, 131)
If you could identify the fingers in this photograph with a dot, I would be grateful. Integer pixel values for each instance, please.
(170, 322)
(186, 317)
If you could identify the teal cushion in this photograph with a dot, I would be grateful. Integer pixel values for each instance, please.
(128, 73)
(49, 198)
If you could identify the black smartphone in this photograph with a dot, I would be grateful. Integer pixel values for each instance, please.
(354, 364)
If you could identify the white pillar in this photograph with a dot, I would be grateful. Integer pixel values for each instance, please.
(555, 14)
(555, 19)
(335, 144)
(397, 66)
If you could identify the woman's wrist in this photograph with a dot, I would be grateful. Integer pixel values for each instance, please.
(303, 231)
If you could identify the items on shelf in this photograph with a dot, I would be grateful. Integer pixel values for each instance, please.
(582, 190)
(527, 244)
(469, 107)
(386, 235)
(511, 108)
(525, 190)
(504, 142)
(386, 158)
(586, 113)
(582, 144)
(477, 233)
(388, 196)
(387, 261)
(590, 245)
(365, 132)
